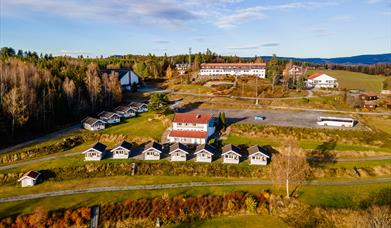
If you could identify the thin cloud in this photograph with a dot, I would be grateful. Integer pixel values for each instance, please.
(161, 41)
(343, 18)
(374, 1)
(244, 47)
(270, 45)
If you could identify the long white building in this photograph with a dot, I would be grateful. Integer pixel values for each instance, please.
(234, 69)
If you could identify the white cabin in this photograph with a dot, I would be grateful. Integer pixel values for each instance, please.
(126, 77)
(122, 151)
(93, 124)
(178, 152)
(125, 111)
(29, 179)
(205, 153)
(138, 107)
(95, 153)
(258, 155)
(152, 151)
(109, 117)
(231, 154)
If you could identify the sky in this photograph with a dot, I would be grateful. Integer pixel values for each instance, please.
(294, 28)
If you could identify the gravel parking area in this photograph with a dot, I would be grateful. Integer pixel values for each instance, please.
(306, 119)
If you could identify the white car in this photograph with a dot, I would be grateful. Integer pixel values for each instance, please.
(259, 117)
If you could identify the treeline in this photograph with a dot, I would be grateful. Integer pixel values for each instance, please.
(374, 69)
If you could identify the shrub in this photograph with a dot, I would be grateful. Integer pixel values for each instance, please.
(251, 204)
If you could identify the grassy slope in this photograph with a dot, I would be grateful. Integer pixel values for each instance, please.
(48, 186)
(240, 221)
(353, 80)
(328, 196)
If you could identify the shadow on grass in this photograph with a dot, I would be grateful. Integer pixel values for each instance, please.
(322, 155)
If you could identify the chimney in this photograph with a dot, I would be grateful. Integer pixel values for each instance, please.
(198, 116)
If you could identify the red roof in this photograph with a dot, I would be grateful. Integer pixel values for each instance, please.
(189, 134)
(233, 64)
(192, 118)
(314, 75)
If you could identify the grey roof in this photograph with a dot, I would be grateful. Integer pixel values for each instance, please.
(125, 144)
(154, 145)
(99, 147)
(206, 147)
(121, 72)
(107, 114)
(124, 108)
(136, 104)
(256, 149)
(90, 120)
(178, 146)
(231, 147)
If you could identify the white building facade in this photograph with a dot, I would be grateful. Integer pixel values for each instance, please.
(321, 81)
(29, 179)
(95, 153)
(152, 151)
(233, 69)
(191, 128)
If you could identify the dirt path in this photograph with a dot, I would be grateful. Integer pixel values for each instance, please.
(180, 185)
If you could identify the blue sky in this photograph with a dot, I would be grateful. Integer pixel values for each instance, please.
(323, 28)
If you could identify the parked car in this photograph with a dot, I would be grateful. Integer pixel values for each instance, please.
(259, 117)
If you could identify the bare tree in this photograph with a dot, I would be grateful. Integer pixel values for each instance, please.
(289, 167)
(69, 88)
(93, 83)
(16, 107)
(115, 87)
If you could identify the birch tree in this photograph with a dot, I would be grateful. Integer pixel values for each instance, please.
(15, 106)
(93, 83)
(289, 167)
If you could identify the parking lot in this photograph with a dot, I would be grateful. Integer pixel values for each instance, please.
(306, 119)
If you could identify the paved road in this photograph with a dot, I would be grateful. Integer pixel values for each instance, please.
(43, 138)
(180, 185)
(38, 160)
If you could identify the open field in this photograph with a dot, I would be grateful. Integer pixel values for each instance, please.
(239, 221)
(48, 186)
(354, 80)
(327, 196)
(382, 123)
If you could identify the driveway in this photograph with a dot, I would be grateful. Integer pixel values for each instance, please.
(182, 185)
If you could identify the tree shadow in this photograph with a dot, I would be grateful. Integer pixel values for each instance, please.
(189, 107)
(322, 154)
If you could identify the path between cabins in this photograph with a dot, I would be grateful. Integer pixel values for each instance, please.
(182, 185)
(19, 164)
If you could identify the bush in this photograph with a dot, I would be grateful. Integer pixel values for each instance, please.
(251, 204)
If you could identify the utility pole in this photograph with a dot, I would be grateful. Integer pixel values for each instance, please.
(189, 56)
(256, 90)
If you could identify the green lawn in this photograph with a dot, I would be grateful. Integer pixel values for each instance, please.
(146, 125)
(238, 221)
(192, 88)
(339, 196)
(354, 80)
(305, 144)
(48, 186)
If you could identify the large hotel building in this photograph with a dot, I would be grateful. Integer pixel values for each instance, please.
(235, 69)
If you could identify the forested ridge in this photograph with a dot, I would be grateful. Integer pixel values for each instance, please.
(39, 92)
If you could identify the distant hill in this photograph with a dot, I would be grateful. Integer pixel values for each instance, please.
(353, 60)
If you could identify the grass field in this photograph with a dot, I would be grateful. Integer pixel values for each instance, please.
(305, 144)
(382, 123)
(192, 88)
(48, 186)
(239, 221)
(325, 196)
(354, 80)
